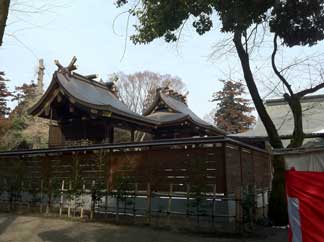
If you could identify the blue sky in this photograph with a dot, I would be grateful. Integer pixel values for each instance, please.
(84, 29)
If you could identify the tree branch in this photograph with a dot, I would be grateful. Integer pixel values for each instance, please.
(274, 67)
(310, 90)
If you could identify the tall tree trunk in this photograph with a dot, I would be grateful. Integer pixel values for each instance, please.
(278, 205)
(296, 109)
(292, 99)
(4, 9)
(274, 138)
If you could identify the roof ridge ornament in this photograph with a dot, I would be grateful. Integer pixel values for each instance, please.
(67, 70)
(91, 76)
(174, 94)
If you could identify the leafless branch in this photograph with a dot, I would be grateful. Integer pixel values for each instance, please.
(222, 48)
(310, 90)
(114, 22)
(273, 56)
(130, 11)
(180, 32)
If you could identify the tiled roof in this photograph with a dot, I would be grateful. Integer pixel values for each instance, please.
(180, 111)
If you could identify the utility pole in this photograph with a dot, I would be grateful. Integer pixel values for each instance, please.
(40, 77)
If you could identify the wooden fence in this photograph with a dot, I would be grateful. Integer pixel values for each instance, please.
(202, 179)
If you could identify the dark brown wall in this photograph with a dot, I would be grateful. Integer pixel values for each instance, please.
(55, 136)
(204, 166)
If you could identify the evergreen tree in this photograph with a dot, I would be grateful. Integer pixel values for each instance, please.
(25, 131)
(233, 111)
(25, 95)
(4, 94)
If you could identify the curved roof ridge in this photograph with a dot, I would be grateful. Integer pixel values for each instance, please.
(101, 98)
(90, 94)
(178, 107)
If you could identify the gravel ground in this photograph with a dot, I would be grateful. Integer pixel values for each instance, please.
(35, 229)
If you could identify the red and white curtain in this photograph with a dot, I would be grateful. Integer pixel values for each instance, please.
(305, 196)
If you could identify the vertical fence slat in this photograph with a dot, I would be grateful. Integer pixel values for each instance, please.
(41, 196)
(187, 200)
(149, 203)
(70, 199)
(239, 210)
(49, 196)
(61, 199)
(169, 202)
(81, 198)
(214, 204)
(93, 199)
(134, 201)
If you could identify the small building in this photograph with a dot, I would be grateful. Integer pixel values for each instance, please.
(281, 115)
(175, 118)
(83, 111)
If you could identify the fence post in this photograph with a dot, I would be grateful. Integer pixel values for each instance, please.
(70, 200)
(117, 207)
(81, 210)
(254, 209)
(134, 203)
(8, 194)
(62, 197)
(41, 196)
(170, 202)
(263, 204)
(93, 199)
(49, 196)
(106, 201)
(20, 206)
(149, 202)
(238, 210)
(214, 204)
(188, 204)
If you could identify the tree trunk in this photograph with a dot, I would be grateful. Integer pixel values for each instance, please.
(296, 109)
(278, 204)
(274, 138)
(278, 199)
(4, 9)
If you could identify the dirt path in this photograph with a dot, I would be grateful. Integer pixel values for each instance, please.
(36, 229)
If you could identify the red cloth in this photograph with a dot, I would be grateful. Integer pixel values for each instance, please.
(308, 188)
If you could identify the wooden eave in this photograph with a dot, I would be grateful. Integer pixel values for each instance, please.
(55, 88)
(187, 118)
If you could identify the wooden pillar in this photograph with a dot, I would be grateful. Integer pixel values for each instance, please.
(132, 135)
(221, 182)
(84, 129)
(111, 134)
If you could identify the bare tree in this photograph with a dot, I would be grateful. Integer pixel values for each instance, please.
(137, 90)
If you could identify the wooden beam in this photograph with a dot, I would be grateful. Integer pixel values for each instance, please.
(47, 109)
(72, 66)
(94, 111)
(91, 77)
(58, 64)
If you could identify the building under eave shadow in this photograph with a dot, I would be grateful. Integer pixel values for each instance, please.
(281, 115)
(83, 111)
